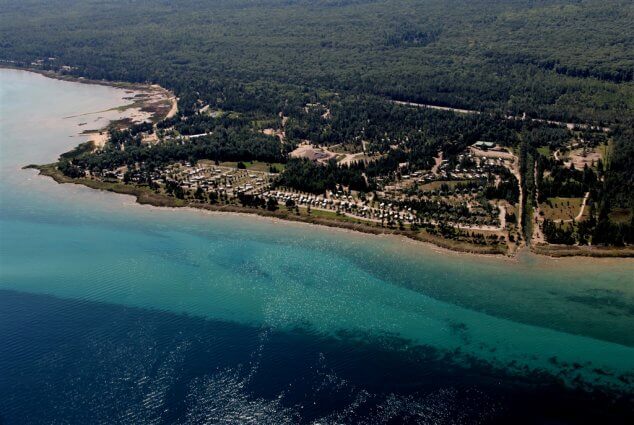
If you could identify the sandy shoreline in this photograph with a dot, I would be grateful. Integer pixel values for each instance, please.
(437, 244)
(144, 196)
(145, 102)
(323, 227)
(82, 80)
(162, 202)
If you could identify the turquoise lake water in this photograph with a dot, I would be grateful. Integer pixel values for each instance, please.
(110, 307)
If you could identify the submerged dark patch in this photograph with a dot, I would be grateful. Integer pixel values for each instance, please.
(82, 361)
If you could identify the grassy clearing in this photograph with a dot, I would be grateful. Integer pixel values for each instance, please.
(255, 165)
(544, 151)
(264, 123)
(331, 215)
(435, 185)
(345, 148)
(561, 208)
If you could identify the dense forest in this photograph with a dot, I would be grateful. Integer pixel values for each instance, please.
(564, 59)
(330, 71)
(307, 176)
(225, 144)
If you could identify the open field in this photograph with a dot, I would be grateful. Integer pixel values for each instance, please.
(561, 208)
(435, 185)
(544, 151)
(331, 215)
(254, 165)
(581, 157)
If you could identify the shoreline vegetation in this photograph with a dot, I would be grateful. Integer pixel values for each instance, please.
(73, 79)
(148, 101)
(494, 127)
(146, 195)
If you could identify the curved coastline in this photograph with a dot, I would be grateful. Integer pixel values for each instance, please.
(146, 197)
(71, 78)
(143, 98)
(282, 274)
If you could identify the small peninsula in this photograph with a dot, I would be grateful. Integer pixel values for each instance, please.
(481, 127)
(466, 194)
(317, 212)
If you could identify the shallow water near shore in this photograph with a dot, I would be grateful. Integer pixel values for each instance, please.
(129, 313)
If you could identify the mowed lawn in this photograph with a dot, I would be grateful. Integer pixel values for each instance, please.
(255, 165)
(561, 208)
(435, 185)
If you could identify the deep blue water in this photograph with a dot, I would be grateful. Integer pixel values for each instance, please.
(87, 362)
(111, 312)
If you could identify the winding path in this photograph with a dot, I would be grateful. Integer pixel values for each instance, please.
(583, 206)
(581, 211)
